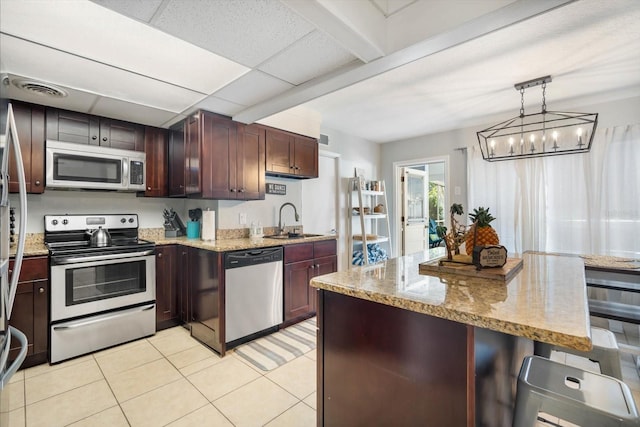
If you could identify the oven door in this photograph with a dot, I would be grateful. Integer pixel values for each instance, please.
(93, 284)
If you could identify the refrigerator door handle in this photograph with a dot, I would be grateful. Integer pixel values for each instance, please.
(24, 345)
(13, 282)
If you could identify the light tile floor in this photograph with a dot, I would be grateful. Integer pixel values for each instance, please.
(166, 380)
(172, 380)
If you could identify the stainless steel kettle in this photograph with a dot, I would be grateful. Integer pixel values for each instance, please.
(99, 237)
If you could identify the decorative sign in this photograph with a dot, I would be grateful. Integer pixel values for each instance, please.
(280, 189)
(489, 256)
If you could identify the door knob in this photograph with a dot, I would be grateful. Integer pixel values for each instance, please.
(41, 290)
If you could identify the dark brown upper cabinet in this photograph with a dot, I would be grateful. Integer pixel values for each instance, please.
(79, 128)
(30, 125)
(291, 155)
(213, 157)
(156, 147)
(184, 158)
(233, 159)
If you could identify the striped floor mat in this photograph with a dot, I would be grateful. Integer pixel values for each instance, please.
(269, 352)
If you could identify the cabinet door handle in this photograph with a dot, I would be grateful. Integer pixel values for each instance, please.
(41, 290)
(292, 167)
(233, 190)
(148, 188)
(37, 182)
(94, 137)
(160, 255)
(241, 190)
(104, 138)
(317, 265)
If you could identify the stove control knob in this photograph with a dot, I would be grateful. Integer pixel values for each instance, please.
(131, 220)
(54, 222)
(123, 220)
(65, 221)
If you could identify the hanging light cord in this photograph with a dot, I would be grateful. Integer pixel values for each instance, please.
(544, 101)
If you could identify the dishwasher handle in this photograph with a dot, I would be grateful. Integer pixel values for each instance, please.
(250, 257)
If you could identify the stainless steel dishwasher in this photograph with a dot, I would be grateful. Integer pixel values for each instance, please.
(253, 291)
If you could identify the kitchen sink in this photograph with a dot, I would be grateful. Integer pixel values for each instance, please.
(292, 236)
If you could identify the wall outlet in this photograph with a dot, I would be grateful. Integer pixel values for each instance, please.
(242, 218)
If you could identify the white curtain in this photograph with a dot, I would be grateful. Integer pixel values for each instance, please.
(576, 203)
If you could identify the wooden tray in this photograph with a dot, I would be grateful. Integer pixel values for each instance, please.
(505, 273)
(369, 237)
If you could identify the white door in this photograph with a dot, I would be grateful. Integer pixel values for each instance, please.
(414, 211)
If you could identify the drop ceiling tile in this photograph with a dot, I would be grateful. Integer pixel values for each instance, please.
(314, 55)
(142, 10)
(76, 100)
(217, 105)
(58, 68)
(128, 111)
(71, 26)
(245, 31)
(252, 88)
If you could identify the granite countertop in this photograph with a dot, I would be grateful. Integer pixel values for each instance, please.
(546, 301)
(33, 245)
(34, 242)
(238, 244)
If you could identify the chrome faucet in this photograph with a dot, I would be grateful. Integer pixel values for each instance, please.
(295, 211)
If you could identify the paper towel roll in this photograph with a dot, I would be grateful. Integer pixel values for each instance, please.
(208, 225)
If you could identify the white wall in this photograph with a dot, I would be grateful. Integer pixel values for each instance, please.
(376, 160)
(90, 202)
(264, 211)
(614, 113)
(354, 152)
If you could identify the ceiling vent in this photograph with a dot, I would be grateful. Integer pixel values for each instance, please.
(39, 88)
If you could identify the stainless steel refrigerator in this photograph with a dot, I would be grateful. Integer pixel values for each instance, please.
(9, 146)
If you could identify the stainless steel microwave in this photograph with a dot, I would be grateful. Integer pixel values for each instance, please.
(94, 168)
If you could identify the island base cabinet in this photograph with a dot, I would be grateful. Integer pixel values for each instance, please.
(383, 365)
(391, 366)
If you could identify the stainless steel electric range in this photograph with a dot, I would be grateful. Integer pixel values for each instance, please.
(103, 281)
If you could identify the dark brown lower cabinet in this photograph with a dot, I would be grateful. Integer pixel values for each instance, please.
(31, 309)
(184, 282)
(388, 366)
(207, 298)
(167, 283)
(302, 262)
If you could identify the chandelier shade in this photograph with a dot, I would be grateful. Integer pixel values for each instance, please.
(547, 133)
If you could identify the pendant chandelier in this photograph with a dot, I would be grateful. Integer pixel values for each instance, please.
(547, 133)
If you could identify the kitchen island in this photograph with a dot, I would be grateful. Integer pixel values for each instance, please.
(399, 348)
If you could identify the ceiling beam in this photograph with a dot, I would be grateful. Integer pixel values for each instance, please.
(493, 21)
(357, 26)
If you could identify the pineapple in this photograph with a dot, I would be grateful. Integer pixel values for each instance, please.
(484, 234)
